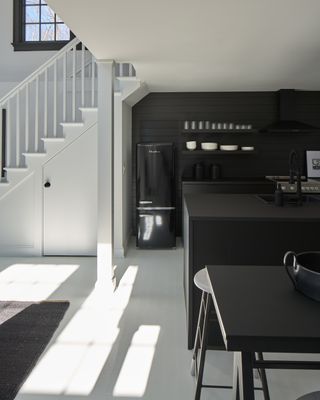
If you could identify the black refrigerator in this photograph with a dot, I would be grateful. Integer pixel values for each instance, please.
(155, 193)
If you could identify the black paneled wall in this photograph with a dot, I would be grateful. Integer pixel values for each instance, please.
(159, 118)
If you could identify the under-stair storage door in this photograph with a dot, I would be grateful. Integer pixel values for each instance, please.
(70, 198)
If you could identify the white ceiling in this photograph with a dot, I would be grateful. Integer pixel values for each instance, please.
(204, 45)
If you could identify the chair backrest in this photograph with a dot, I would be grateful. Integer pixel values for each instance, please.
(201, 280)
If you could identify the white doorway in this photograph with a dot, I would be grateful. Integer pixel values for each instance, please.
(70, 199)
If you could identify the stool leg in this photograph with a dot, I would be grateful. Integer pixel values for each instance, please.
(203, 349)
(197, 337)
(263, 377)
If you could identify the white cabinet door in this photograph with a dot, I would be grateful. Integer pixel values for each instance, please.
(70, 199)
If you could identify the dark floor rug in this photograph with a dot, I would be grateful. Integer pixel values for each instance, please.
(25, 330)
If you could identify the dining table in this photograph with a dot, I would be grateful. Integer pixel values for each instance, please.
(259, 311)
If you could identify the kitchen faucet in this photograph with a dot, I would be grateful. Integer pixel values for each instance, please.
(294, 171)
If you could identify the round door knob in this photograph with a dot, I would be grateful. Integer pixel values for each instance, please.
(47, 184)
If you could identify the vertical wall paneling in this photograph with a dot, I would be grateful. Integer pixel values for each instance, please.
(159, 117)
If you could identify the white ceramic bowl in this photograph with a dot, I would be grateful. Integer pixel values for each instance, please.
(209, 146)
(229, 147)
(247, 148)
(192, 145)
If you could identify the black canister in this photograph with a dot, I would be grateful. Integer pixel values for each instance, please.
(215, 171)
(278, 196)
(198, 171)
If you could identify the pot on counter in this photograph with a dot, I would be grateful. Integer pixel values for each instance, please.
(304, 272)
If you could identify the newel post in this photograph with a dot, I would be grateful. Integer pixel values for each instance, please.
(105, 274)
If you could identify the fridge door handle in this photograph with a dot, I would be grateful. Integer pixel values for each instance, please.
(155, 208)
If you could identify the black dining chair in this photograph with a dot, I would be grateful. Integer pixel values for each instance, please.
(310, 396)
(206, 313)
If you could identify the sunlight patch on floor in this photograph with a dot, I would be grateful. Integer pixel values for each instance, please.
(68, 368)
(134, 375)
(33, 282)
(74, 362)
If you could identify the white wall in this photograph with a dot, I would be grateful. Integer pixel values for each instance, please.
(127, 172)
(132, 92)
(15, 65)
(122, 176)
(5, 87)
(20, 213)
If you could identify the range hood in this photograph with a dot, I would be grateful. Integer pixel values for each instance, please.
(286, 118)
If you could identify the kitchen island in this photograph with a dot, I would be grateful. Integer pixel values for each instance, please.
(240, 229)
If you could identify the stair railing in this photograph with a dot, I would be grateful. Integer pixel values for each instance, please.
(34, 106)
(51, 94)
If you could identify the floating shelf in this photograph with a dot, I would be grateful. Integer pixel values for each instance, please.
(220, 131)
(218, 152)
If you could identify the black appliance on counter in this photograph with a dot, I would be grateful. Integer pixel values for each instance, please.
(308, 186)
(155, 212)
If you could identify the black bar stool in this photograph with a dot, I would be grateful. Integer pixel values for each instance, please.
(310, 396)
(207, 313)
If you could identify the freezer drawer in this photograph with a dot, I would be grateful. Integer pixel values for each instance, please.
(156, 229)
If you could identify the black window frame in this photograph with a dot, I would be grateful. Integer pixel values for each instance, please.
(19, 43)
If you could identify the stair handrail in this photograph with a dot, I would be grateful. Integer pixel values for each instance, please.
(74, 42)
(29, 119)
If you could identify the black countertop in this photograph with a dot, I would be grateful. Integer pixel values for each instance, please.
(236, 180)
(245, 207)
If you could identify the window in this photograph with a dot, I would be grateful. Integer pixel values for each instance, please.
(37, 27)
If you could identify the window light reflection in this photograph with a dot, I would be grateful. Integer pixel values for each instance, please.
(33, 282)
(149, 222)
(135, 371)
(84, 345)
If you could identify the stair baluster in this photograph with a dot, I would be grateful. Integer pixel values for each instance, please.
(50, 95)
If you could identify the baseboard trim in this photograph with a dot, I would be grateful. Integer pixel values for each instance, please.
(121, 252)
(126, 245)
(19, 251)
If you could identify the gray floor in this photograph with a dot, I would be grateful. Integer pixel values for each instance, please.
(130, 346)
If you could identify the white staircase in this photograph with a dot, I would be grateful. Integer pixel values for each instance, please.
(51, 108)
(50, 111)
(51, 146)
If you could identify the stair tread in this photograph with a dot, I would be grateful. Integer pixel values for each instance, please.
(72, 123)
(127, 78)
(88, 108)
(16, 169)
(53, 139)
(35, 154)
